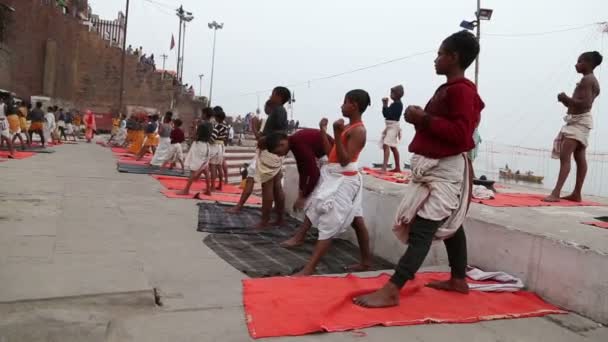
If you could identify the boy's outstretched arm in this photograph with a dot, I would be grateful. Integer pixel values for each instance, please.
(355, 142)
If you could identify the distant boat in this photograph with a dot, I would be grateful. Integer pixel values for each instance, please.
(528, 177)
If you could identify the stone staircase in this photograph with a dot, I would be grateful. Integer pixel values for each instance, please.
(237, 156)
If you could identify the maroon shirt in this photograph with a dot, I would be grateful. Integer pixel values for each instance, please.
(307, 147)
(177, 136)
(454, 113)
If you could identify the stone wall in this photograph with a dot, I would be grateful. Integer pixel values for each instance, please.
(55, 55)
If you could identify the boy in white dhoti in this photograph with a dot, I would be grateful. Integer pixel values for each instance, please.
(573, 137)
(197, 159)
(391, 136)
(335, 204)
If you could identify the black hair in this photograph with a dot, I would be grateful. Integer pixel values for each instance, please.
(359, 97)
(217, 109)
(207, 113)
(168, 117)
(220, 116)
(284, 93)
(49, 108)
(465, 44)
(155, 117)
(177, 123)
(594, 57)
(38, 104)
(273, 140)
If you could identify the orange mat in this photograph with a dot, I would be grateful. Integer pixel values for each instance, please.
(18, 154)
(599, 224)
(178, 183)
(393, 177)
(529, 200)
(215, 197)
(297, 306)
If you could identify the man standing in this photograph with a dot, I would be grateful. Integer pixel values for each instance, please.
(573, 137)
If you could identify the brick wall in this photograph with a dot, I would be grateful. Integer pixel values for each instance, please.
(86, 69)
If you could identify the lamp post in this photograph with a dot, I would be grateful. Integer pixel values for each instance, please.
(480, 14)
(214, 26)
(200, 78)
(184, 17)
(122, 62)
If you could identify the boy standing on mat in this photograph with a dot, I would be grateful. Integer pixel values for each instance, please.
(573, 137)
(266, 166)
(335, 203)
(218, 140)
(437, 201)
(391, 136)
(197, 159)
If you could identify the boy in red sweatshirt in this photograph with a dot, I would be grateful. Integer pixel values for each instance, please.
(438, 198)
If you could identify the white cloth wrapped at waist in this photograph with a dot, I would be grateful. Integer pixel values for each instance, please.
(336, 200)
(391, 136)
(439, 190)
(198, 156)
(268, 165)
(577, 127)
(162, 152)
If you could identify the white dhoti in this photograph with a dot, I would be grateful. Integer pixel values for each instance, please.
(439, 190)
(577, 127)
(176, 153)
(336, 200)
(198, 156)
(121, 137)
(161, 155)
(69, 128)
(267, 165)
(216, 152)
(391, 136)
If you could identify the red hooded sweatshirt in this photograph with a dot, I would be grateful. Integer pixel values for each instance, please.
(454, 113)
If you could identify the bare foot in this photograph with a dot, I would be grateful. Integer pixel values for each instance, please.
(387, 296)
(573, 198)
(295, 241)
(383, 169)
(261, 226)
(452, 285)
(234, 210)
(358, 267)
(551, 199)
(183, 193)
(396, 170)
(277, 223)
(304, 272)
(208, 192)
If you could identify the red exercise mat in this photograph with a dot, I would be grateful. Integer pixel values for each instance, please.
(599, 224)
(393, 177)
(119, 150)
(216, 197)
(178, 183)
(291, 306)
(529, 200)
(18, 154)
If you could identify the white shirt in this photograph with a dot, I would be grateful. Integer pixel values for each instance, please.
(231, 133)
(50, 121)
(2, 110)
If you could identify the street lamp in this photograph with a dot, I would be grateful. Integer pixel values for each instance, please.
(184, 17)
(213, 26)
(200, 78)
(480, 14)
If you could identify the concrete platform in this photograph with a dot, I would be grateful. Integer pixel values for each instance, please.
(82, 247)
(549, 248)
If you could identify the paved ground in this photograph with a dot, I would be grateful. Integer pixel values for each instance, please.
(82, 248)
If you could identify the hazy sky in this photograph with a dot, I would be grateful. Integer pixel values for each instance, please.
(271, 42)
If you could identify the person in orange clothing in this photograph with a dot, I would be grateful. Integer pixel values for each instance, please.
(14, 126)
(138, 136)
(335, 204)
(152, 138)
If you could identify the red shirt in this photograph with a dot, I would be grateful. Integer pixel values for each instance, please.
(177, 136)
(454, 113)
(307, 147)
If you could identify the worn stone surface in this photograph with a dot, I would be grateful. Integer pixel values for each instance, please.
(110, 230)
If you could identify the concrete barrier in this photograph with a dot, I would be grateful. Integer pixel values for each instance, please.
(567, 274)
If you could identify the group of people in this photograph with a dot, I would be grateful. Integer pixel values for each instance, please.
(18, 120)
